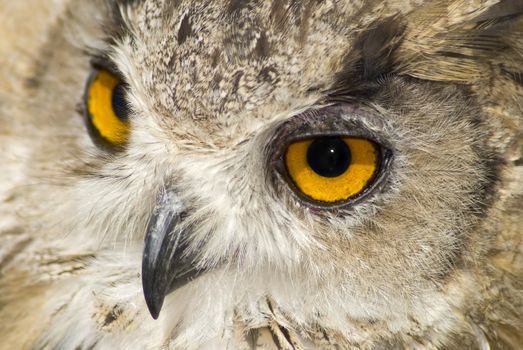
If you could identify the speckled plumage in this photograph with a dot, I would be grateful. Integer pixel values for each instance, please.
(429, 260)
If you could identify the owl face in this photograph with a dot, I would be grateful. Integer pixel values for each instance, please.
(261, 149)
(273, 150)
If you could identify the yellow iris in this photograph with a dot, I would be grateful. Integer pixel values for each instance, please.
(354, 180)
(101, 111)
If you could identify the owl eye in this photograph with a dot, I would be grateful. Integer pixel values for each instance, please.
(332, 169)
(106, 110)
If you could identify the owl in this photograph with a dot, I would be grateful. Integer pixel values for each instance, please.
(246, 174)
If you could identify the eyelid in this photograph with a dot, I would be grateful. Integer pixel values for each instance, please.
(100, 61)
(332, 120)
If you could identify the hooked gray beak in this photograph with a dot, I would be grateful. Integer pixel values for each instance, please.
(166, 265)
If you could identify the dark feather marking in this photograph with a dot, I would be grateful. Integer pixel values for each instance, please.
(215, 57)
(216, 79)
(252, 338)
(369, 59)
(303, 14)
(502, 9)
(516, 77)
(287, 335)
(282, 330)
(14, 252)
(236, 81)
(269, 75)
(172, 61)
(125, 2)
(185, 29)
(295, 9)
(235, 6)
(377, 45)
(275, 339)
(279, 14)
(112, 315)
(117, 28)
(262, 48)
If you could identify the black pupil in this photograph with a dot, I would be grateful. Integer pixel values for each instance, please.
(329, 156)
(119, 103)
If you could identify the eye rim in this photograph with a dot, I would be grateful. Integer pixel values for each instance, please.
(383, 161)
(95, 135)
(304, 126)
(341, 202)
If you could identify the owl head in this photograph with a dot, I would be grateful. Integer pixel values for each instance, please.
(332, 168)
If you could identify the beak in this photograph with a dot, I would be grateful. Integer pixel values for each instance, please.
(166, 265)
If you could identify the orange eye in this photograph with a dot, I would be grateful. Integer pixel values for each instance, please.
(332, 169)
(106, 107)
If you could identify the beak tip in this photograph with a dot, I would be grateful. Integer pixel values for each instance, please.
(154, 303)
(153, 311)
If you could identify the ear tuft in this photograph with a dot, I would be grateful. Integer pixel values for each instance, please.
(450, 41)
